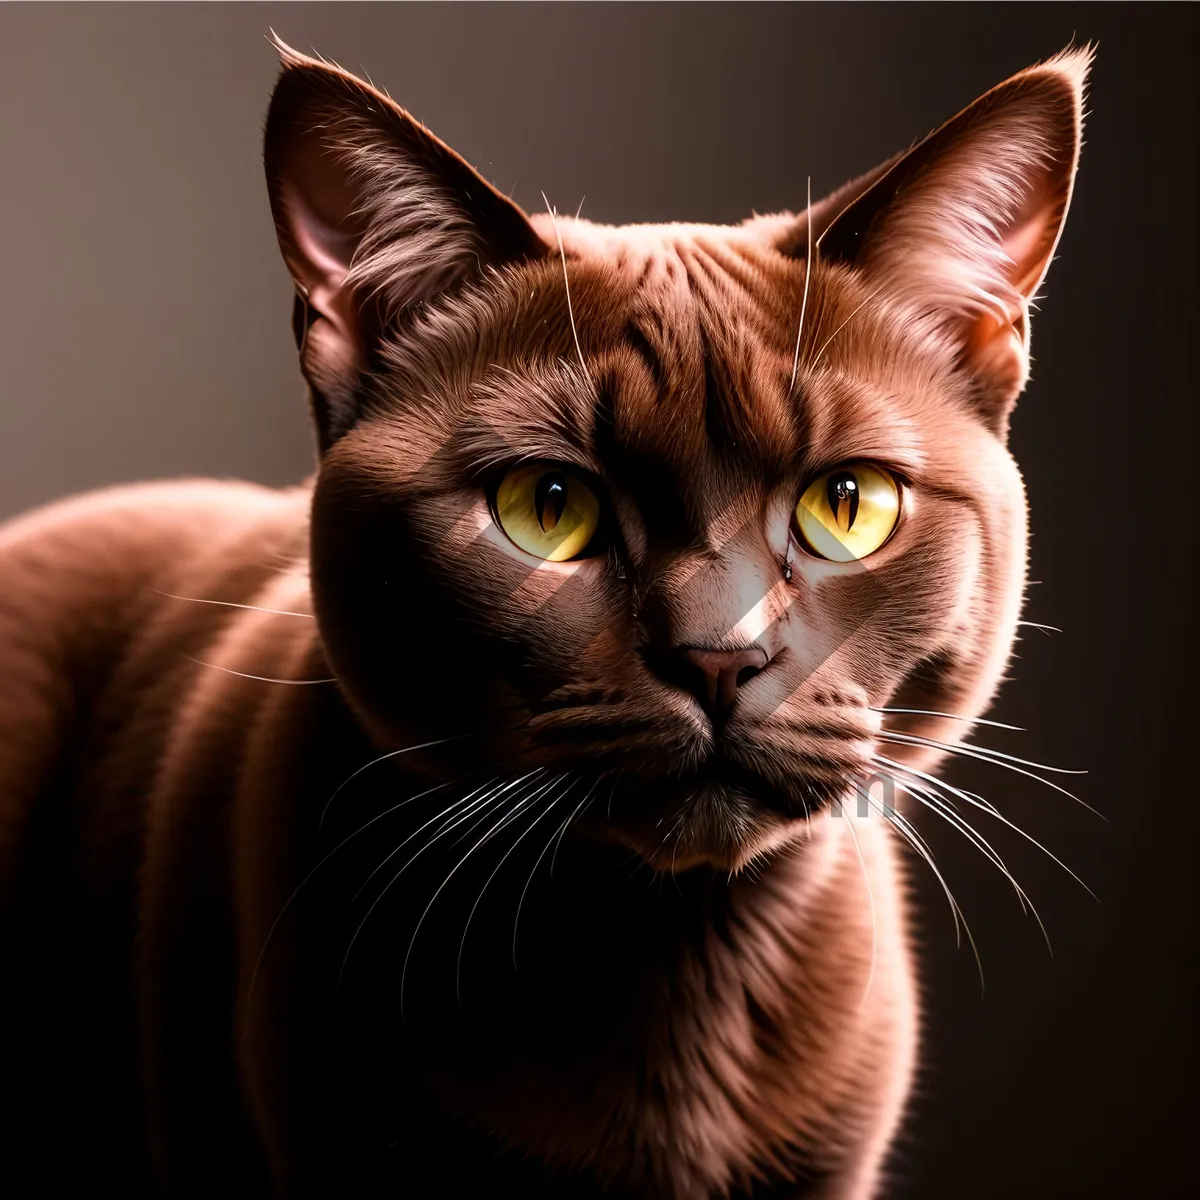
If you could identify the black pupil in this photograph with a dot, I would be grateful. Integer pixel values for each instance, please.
(550, 500)
(843, 499)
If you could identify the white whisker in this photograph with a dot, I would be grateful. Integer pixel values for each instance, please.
(913, 837)
(996, 758)
(956, 820)
(433, 900)
(467, 807)
(808, 271)
(945, 809)
(279, 612)
(567, 285)
(537, 863)
(382, 758)
(970, 799)
(566, 826)
(929, 712)
(544, 813)
(259, 678)
(303, 883)
(454, 814)
(981, 751)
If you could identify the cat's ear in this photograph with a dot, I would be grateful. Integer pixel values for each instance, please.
(374, 215)
(961, 229)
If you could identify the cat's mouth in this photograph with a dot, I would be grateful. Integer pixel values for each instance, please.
(722, 777)
(722, 813)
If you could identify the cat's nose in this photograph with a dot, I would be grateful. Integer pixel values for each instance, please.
(713, 676)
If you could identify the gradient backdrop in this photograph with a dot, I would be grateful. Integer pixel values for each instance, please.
(144, 331)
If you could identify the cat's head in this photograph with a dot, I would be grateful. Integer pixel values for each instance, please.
(667, 512)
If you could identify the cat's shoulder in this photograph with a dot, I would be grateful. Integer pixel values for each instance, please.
(70, 555)
(140, 512)
(114, 527)
(85, 588)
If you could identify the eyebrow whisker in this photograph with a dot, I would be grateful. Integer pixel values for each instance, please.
(808, 270)
(553, 213)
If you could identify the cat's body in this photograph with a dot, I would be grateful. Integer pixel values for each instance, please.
(152, 848)
(345, 842)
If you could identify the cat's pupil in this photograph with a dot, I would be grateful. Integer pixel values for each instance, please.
(550, 500)
(843, 499)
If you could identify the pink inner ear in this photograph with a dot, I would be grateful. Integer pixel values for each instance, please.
(999, 349)
(320, 257)
(1029, 239)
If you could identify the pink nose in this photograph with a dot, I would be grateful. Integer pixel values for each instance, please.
(714, 676)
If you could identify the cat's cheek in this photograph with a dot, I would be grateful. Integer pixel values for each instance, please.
(550, 595)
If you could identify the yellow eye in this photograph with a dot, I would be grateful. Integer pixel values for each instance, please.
(547, 510)
(848, 512)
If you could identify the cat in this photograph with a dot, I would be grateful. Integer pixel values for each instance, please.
(506, 807)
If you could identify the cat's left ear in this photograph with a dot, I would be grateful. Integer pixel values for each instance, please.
(375, 215)
(962, 228)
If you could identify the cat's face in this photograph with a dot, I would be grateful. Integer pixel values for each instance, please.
(663, 511)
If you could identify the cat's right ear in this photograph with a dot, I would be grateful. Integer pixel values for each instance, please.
(375, 215)
(960, 230)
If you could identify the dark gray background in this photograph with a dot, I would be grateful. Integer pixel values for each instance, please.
(144, 331)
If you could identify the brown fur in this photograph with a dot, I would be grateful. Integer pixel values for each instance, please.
(737, 1019)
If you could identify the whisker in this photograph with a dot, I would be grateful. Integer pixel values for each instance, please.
(537, 863)
(521, 901)
(566, 825)
(941, 807)
(910, 833)
(918, 843)
(995, 757)
(259, 678)
(808, 272)
(983, 803)
(516, 787)
(544, 813)
(945, 809)
(567, 285)
(929, 712)
(457, 812)
(301, 885)
(1039, 625)
(279, 612)
(466, 808)
(955, 748)
(390, 754)
(472, 806)
(433, 900)
(970, 799)
(1027, 905)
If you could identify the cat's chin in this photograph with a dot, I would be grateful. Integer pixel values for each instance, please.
(714, 826)
(708, 845)
(721, 814)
